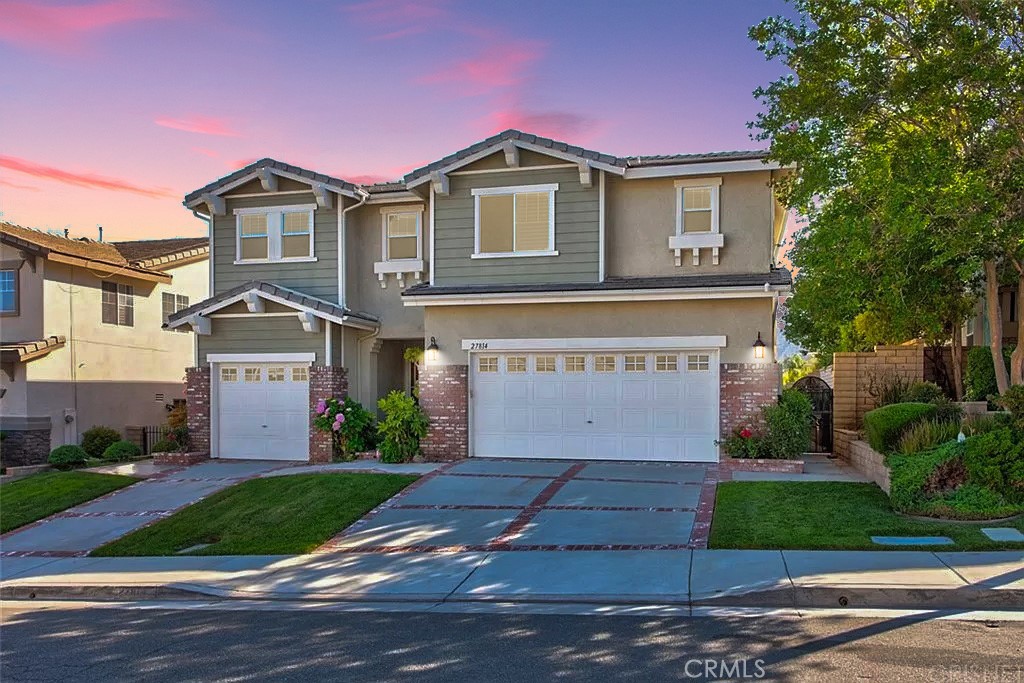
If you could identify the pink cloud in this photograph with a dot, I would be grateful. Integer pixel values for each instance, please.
(562, 125)
(18, 186)
(236, 164)
(91, 181)
(204, 125)
(62, 28)
(363, 178)
(497, 67)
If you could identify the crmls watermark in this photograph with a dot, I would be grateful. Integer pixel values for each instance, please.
(980, 673)
(729, 669)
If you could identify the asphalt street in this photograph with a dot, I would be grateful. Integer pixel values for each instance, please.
(104, 644)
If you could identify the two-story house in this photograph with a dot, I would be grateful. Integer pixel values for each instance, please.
(572, 304)
(81, 338)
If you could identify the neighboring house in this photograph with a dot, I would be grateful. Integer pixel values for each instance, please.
(977, 331)
(572, 304)
(82, 338)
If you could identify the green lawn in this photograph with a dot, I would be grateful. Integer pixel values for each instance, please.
(286, 515)
(827, 516)
(25, 500)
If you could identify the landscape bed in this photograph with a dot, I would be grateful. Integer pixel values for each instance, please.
(285, 515)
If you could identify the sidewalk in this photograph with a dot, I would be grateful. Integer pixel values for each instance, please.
(881, 579)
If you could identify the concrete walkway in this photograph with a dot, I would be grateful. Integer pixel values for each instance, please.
(954, 580)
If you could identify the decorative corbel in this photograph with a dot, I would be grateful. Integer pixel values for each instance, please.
(268, 180)
(218, 207)
(200, 324)
(696, 256)
(324, 198)
(586, 174)
(29, 258)
(440, 182)
(310, 323)
(511, 154)
(254, 302)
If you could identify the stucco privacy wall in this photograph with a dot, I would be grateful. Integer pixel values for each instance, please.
(317, 278)
(108, 374)
(855, 373)
(576, 232)
(268, 334)
(641, 216)
(737, 319)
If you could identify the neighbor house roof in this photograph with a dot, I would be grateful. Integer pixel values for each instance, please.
(283, 295)
(336, 184)
(102, 256)
(162, 253)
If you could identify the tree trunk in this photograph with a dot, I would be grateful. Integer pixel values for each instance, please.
(956, 353)
(995, 326)
(1017, 358)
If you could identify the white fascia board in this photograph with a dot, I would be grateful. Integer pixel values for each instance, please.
(756, 292)
(701, 168)
(596, 343)
(341, 320)
(260, 357)
(258, 173)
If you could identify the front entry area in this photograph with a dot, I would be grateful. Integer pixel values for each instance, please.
(261, 410)
(658, 405)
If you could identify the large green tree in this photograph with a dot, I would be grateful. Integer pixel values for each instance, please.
(905, 121)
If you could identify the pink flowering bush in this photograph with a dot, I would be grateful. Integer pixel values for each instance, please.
(352, 427)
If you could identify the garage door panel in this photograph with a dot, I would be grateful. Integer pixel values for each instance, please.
(575, 390)
(547, 419)
(635, 420)
(266, 417)
(517, 419)
(637, 446)
(667, 420)
(517, 390)
(635, 390)
(664, 448)
(606, 419)
(606, 448)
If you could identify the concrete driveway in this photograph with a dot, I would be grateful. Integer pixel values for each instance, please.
(503, 505)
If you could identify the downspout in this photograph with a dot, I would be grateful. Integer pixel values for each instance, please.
(342, 239)
(209, 290)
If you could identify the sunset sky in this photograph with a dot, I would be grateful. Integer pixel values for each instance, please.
(113, 110)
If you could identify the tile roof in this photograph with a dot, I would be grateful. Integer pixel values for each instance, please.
(777, 276)
(310, 302)
(273, 164)
(666, 159)
(158, 253)
(82, 248)
(27, 350)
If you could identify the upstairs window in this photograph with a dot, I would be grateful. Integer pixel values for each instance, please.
(401, 235)
(515, 221)
(275, 234)
(171, 303)
(9, 291)
(118, 304)
(696, 209)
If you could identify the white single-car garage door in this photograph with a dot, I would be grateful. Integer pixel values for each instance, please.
(262, 410)
(603, 405)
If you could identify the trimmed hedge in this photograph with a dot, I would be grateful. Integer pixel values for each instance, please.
(96, 440)
(884, 426)
(67, 456)
(122, 450)
(164, 446)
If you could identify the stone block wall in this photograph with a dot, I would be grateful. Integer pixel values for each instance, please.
(869, 462)
(197, 402)
(324, 382)
(444, 396)
(744, 388)
(841, 440)
(25, 447)
(854, 372)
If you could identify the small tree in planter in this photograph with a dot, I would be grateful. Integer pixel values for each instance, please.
(403, 426)
(351, 426)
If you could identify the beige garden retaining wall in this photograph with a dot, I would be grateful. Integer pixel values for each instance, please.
(853, 373)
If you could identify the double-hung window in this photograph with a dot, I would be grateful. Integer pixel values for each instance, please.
(9, 291)
(172, 303)
(402, 234)
(697, 219)
(283, 233)
(118, 304)
(515, 221)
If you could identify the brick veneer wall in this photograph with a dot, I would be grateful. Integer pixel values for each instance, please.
(854, 371)
(197, 402)
(324, 382)
(25, 447)
(444, 396)
(745, 387)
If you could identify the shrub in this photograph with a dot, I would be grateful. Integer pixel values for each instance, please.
(995, 460)
(67, 456)
(984, 423)
(352, 427)
(98, 439)
(885, 425)
(980, 375)
(785, 431)
(947, 411)
(927, 434)
(179, 437)
(164, 446)
(403, 426)
(908, 474)
(923, 392)
(122, 450)
(1012, 401)
(887, 388)
(178, 417)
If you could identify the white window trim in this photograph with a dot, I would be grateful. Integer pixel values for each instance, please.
(478, 192)
(384, 213)
(275, 231)
(696, 241)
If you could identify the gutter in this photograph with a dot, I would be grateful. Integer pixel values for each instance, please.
(747, 292)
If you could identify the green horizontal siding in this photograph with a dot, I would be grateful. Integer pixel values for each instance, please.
(576, 232)
(273, 334)
(318, 278)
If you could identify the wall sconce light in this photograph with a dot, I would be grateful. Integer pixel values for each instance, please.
(432, 350)
(759, 347)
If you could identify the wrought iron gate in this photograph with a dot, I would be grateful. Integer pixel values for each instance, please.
(820, 394)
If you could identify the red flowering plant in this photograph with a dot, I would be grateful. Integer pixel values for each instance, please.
(744, 442)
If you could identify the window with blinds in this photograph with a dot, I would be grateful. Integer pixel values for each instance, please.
(118, 304)
(171, 303)
(515, 221)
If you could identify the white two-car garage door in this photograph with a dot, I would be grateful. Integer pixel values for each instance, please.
(605, 405)
(262, 410)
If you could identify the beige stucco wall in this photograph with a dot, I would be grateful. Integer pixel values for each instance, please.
(641, 216)
(109, 374)
(28, 324)
(738, 319)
